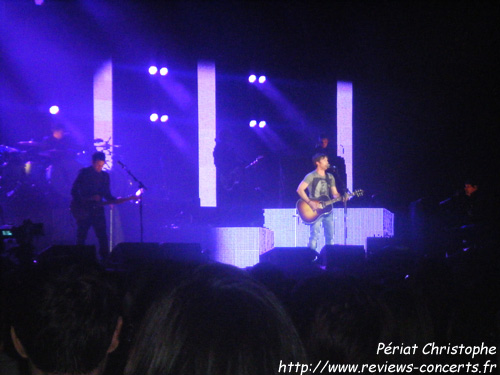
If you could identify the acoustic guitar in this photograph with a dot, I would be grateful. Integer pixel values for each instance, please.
(310, 216)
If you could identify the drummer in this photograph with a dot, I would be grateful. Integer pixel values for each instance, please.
(58, 144)
(60, 153)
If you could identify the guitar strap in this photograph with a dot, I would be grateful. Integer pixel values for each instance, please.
(330, 180)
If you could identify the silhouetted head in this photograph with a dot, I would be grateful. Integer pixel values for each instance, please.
(218, 322)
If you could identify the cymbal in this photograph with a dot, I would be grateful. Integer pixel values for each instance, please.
(8, 149)
(106, 146)
(52, 152)
(29, 144)
(98, 140)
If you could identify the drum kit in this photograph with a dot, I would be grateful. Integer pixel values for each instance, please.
(31, 164)
(15, 163)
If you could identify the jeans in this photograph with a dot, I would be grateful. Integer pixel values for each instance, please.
(327, 221)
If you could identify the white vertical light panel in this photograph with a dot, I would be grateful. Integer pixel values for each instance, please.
(206, 134)
(103, 105)
(344, 128)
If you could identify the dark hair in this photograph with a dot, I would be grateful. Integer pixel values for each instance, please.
(98, 155)
(473, 181)
(65, 318)
(339, 319)
(317, 157)
(218, 322)
(57, 126)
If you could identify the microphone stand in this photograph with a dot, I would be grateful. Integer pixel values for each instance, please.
(345, 223)
(337, 176)
(141, 186)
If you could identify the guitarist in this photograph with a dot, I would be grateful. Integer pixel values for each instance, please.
(89, 189)
(319, 183)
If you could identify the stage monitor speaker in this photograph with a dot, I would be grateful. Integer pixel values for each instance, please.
(184, 252)
(342, 256)
(68, 254)
(136, 252)
(131, 253)
(375, 245)
(289, 256)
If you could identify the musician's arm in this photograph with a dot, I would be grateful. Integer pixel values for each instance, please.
(301, 191)
(335, 192)
(76, 189)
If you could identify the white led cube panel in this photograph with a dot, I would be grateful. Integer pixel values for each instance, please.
(241, 246)
(289, 231)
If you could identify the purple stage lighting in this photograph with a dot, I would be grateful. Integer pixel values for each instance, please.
(252, 123)
(262, 79)
(262, 124)
(38, 2)
(153, 70)
(54, 110)
(163, 71)
(153, 117)
(164, 118)
(252, 78)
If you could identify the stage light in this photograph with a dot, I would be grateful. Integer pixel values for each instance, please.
(138, 194)
(252, 78)
(262, 79)
(164, 118)
(252, 123)
(262, 124)
(54, 110)
(153, 117)
(153, 70)
(38, 2)
(164, 71)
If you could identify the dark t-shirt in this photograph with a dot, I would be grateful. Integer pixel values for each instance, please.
(319, 185)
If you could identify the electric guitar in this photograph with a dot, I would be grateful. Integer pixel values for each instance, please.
(233, 178)
(310, 216)
(83, 209)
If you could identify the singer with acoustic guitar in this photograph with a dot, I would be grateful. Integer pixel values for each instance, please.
(319, 183)
(91, 186)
